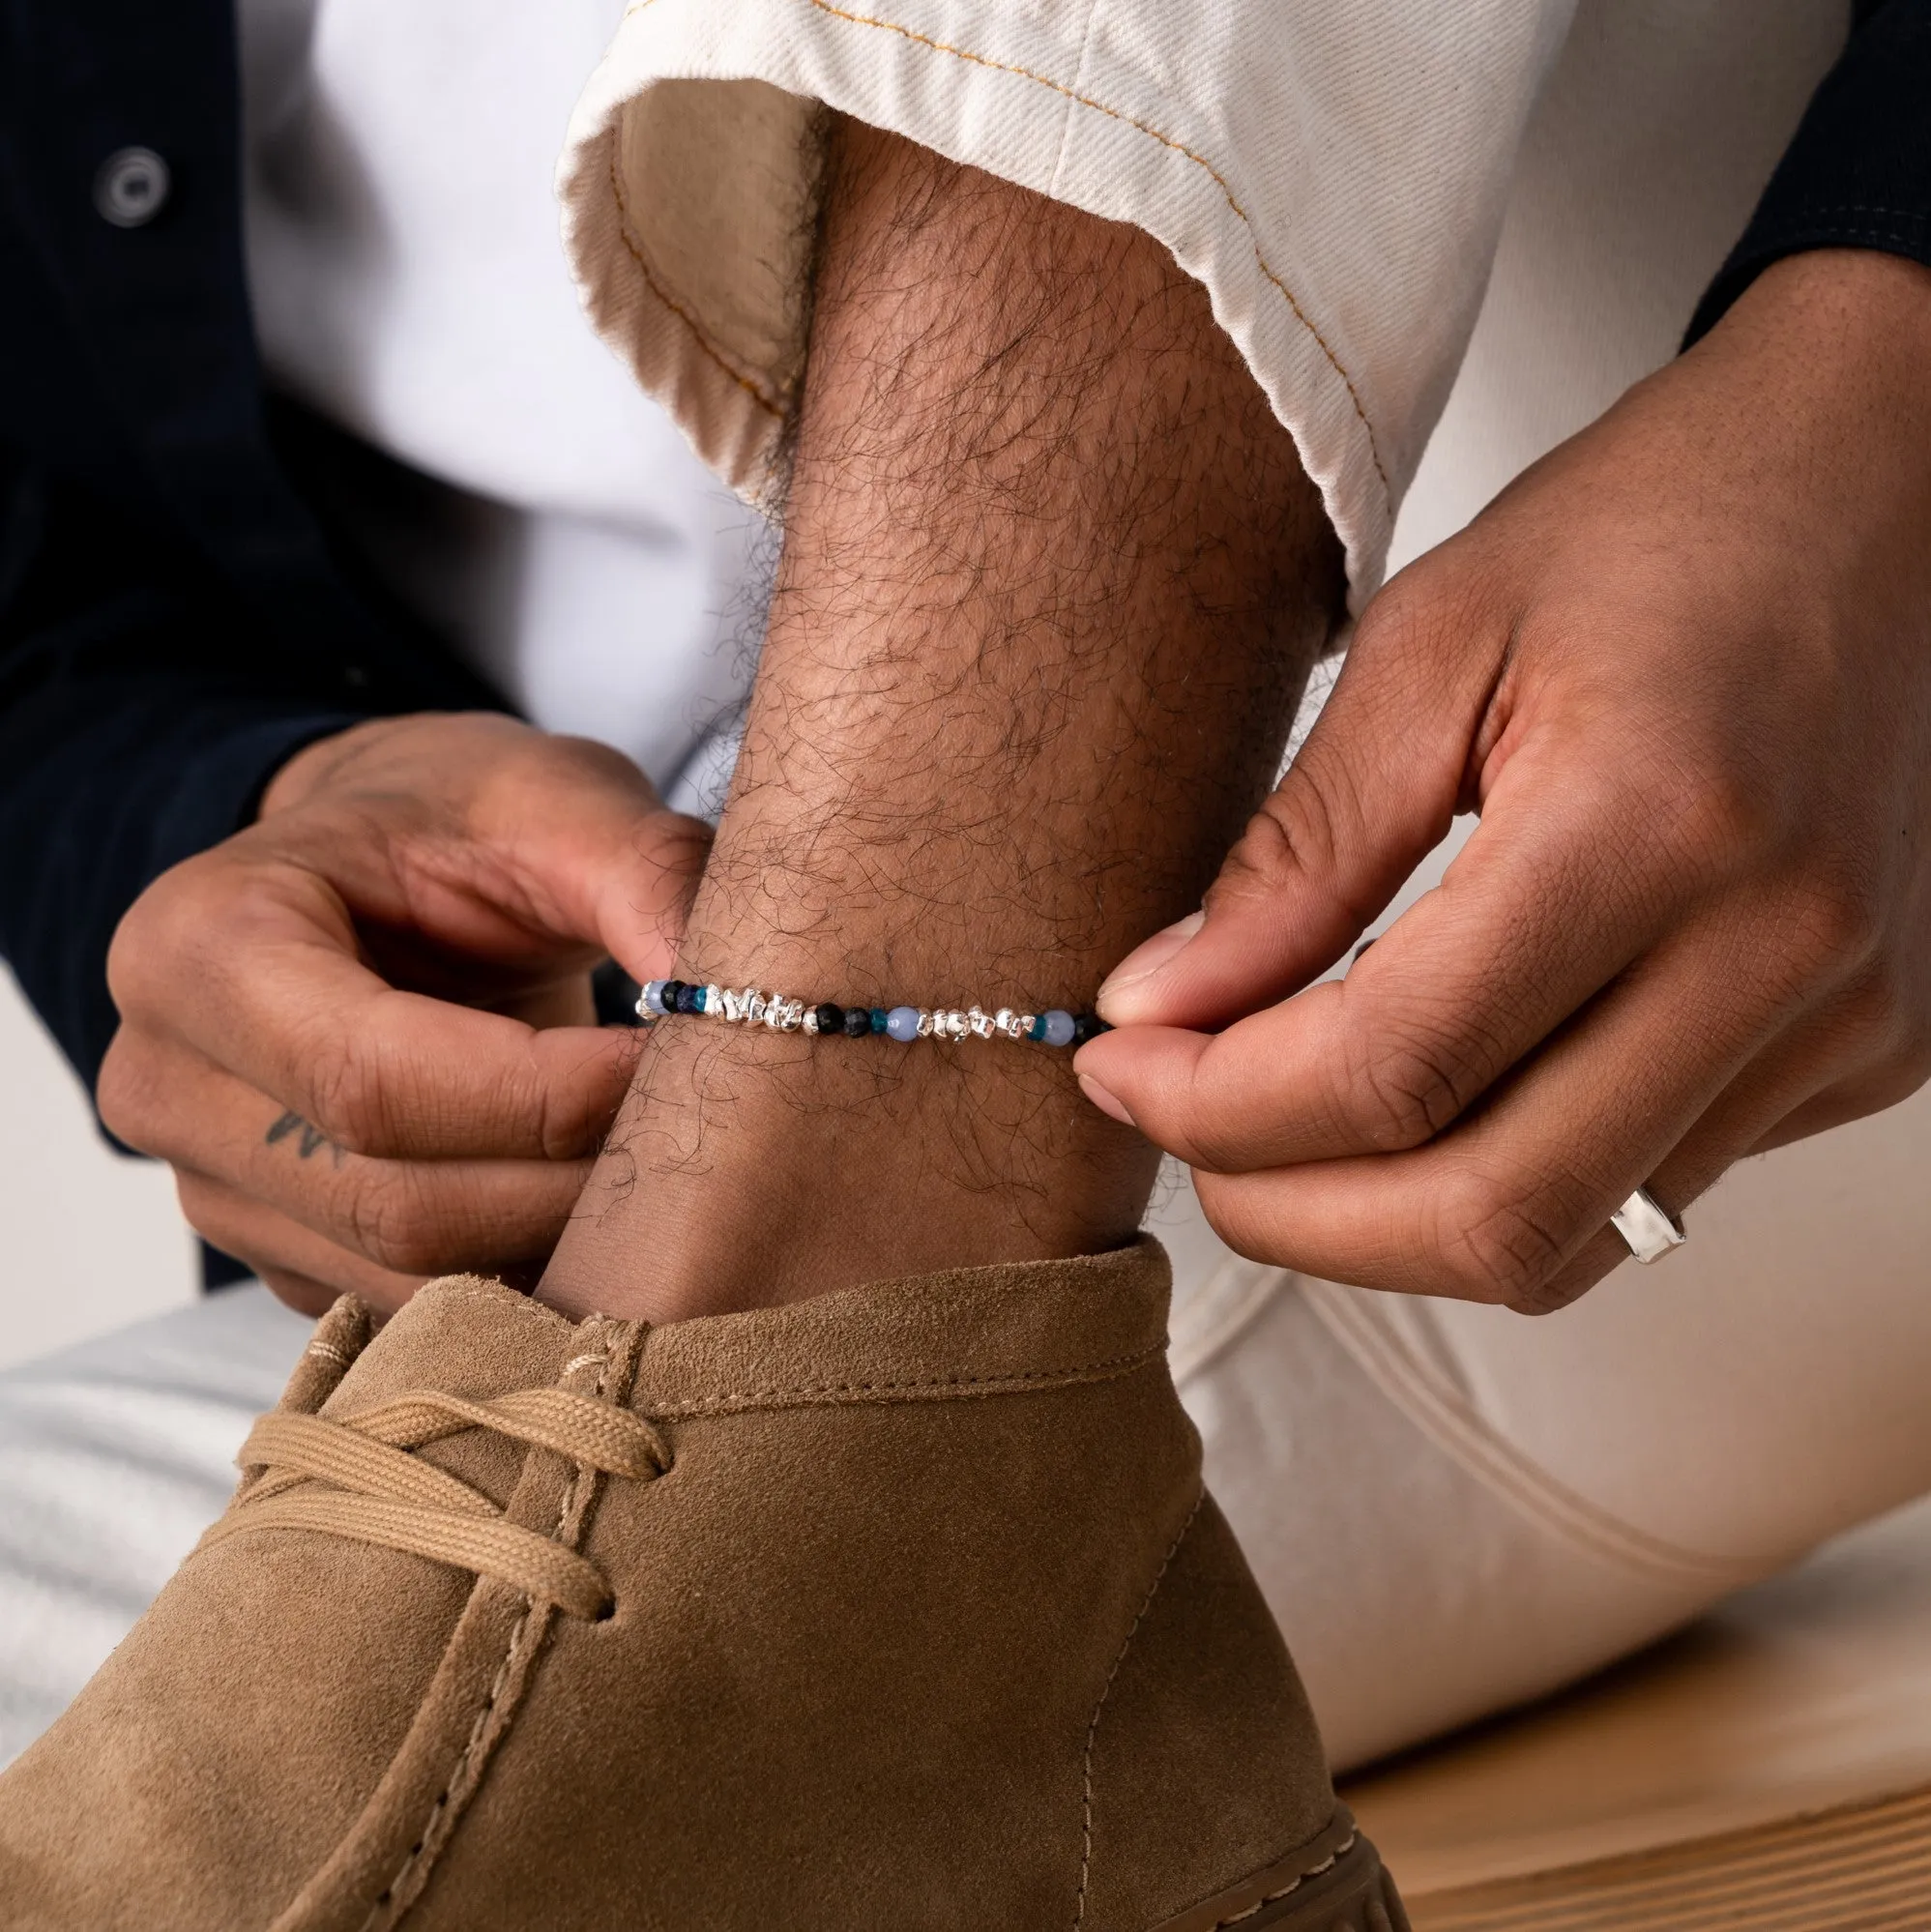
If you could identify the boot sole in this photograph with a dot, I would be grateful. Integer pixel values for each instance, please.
(1334, 1883)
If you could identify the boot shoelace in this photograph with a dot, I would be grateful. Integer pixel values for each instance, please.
(356, 1478)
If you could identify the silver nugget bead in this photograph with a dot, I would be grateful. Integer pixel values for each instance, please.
(980, 1023)
(792, 1017)
(1023, 1024)
(925, 1024)
(810, 1020)
(714, 1002)
(1002, 1020)
(754, 1005)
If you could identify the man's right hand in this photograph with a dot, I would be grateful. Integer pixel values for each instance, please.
(361, 1030)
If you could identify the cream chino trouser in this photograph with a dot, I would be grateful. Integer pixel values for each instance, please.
(1451, 1508)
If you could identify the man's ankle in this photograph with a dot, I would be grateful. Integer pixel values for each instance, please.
(750, 1167)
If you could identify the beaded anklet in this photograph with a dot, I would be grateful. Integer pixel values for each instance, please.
(664, 999)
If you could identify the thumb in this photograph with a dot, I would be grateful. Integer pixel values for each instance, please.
(1371, 794)
(649, 873)
(590, 853)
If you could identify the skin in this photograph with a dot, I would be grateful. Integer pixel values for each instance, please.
(1051, 584)
(361, 1030)
(1683, 669)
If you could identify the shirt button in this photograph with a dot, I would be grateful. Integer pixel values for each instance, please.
(131, 188)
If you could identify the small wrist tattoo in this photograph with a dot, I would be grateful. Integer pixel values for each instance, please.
(669, 999)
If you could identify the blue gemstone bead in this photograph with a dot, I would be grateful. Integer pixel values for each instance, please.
(689, 998)
(1058, 1027)
(880, 1018)
(1038, 1030)
(902, 1022)
(653, 997)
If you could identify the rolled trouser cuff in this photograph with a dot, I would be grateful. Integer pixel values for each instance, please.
(1334, 177)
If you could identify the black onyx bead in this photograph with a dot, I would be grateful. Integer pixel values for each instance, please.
(830, 1018)
(1087, 1026)
(673, 989)
(687, 997)
(858, 1022)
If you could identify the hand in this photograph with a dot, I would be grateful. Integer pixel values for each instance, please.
(361, 1030)
(1683, 668)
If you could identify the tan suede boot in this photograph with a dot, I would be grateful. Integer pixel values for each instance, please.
(902, 1608)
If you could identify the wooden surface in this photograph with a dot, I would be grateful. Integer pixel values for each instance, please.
(1807, 1695)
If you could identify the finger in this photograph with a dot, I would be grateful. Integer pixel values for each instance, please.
(281, 1250)
(582, 847)
(415, 1217)
(1500, 1207)
(262, 975)
(1838, 1063)
(494, 836)
(1372, 792)
(1538, 912)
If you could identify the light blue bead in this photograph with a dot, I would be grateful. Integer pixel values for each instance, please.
(1058, 1027)
(653, 996)
(902, 1022)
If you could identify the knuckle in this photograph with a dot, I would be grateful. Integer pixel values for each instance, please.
(393, 1218)
(154, 930)
(1400, 1080)
(345, 1091)
(1292, 835)
(1497, 1243)
(125, 1092)
(209, 1211)
(1885, 1015)
(1838, 922)
(1238, 1215)
(1719, 813)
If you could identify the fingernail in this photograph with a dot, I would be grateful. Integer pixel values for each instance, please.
(1107, 1102)
(1150, 956)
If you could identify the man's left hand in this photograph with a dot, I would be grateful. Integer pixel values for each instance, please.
(1683, 669)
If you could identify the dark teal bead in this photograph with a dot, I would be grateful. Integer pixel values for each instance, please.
(879, 1016)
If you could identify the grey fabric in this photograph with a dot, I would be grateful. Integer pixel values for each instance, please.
(114, 1456)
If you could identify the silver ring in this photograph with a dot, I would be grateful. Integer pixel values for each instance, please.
(1646, 1226)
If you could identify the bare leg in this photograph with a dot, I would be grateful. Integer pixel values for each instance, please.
(1051, 584)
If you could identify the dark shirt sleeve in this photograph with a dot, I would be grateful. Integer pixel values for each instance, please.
(143, 711)
(1858, 173)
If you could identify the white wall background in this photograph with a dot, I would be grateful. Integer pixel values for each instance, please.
(91, 1238)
